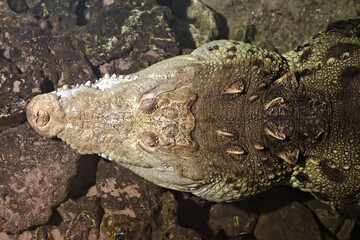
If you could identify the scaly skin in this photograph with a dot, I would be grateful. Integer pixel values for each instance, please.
(227, 121)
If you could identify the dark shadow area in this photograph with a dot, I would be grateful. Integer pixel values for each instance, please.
(95, 69)
(356, 232)
(273, 199)
(18, 6)
(85, 177)
(179, 22)
(193, 214)
(178, 8)
(80, 13)
(55, 219)
(222, 26)
(46, 85)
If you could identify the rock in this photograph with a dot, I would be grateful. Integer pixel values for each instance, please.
(41, 233)
(293, 221)
(49, 62)
(232, 220)
(59, 15)
(34, 177)
(115, 226)
(5, 236)
(34, 61)
(17, 29)
(248, 33)
(27, 85)
(245, 33)
(12, 110)
(346, 230)
(193, 22)
(80, 218)
(123, 37)
(130, 202)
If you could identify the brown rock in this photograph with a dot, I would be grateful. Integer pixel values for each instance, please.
(34, 176)
(81, 218)
(41, 233)
(115, 226)
(39, 61)
(124, 192)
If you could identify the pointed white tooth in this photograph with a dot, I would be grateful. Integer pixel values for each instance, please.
(113, 76)
(65, 87)
(77, 85)
(106, 75)
(127, 77)
(88, 83)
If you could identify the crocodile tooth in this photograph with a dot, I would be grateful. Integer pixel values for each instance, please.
(88, 83)
(106, 75)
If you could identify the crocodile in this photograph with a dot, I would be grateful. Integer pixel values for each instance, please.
(227, 121)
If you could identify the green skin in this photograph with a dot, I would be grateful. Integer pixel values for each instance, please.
(227, 121)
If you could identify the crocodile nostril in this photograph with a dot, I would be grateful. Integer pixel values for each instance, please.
(42, 117)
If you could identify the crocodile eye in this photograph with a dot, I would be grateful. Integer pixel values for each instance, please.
(148, 141)
(42, 117)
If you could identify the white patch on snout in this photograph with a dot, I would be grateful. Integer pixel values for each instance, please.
(101, 84)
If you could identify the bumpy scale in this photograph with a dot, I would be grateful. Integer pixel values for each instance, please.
(228, 121)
